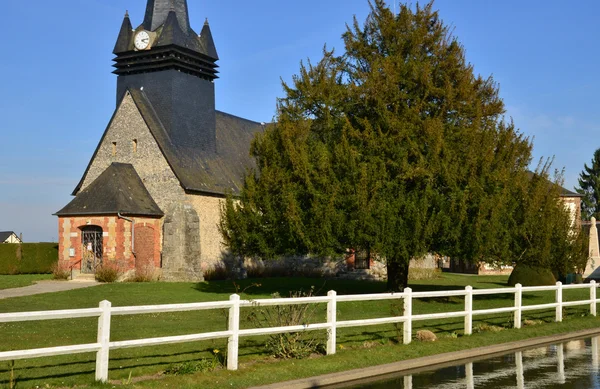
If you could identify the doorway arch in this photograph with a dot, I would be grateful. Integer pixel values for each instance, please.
(91, 248)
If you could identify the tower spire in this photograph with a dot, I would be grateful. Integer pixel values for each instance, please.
(157, 12)
(124, 39)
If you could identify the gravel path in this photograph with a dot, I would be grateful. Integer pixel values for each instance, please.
(46, 287)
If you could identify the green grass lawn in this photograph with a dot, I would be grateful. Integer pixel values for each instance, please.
(358, 347)
(17, 281)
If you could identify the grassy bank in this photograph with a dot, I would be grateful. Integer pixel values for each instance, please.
(358, 347)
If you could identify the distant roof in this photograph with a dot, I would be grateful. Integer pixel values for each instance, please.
(197, 170)
(118, 189)
(4, 235)
(564, 192)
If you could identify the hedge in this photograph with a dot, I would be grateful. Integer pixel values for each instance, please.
(531, 276)
(28, 258)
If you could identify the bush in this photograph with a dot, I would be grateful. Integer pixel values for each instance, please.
(28, 258)
(289, 345)
(271, 269)
(107, 272)
(218, 272)
(531, 276)
(61, 271)
(9, 263)
(144, 273)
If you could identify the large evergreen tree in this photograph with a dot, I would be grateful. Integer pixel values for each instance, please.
(395, 147)
(589, 187)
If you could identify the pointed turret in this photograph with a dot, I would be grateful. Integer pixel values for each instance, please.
(172, 34)
(124, 40)
(207, 43)
(157, 12)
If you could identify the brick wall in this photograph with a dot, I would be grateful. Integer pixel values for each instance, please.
(116, 240)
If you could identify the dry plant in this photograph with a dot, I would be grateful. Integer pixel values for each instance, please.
(61, 271)
(297, 345)
(107, 272)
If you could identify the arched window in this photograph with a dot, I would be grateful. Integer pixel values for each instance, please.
(91, 240)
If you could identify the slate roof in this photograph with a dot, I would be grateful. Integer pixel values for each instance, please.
(4, 235)
(198, 170)
(118, 189)
(564, 192)
(157, 12)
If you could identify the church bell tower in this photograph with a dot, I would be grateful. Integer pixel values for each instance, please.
(175, 68)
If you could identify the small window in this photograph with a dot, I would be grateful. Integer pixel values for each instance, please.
(114, 148)
(134, 143)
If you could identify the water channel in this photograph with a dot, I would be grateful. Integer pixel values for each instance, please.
(574, 364)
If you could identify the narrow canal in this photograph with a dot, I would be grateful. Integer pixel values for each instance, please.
(574, 364)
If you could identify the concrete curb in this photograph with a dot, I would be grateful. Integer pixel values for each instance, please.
(432, 362)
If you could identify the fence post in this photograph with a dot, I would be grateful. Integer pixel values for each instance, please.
(559, 300)
(468, 310)
(593, 298)
(518, 304)
(407, 315)
(234, 327)
(331, 320)
(103, 339)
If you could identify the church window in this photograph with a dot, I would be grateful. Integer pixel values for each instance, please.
(135, 144)
(114, 148)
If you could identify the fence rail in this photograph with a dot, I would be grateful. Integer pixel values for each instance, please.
(104, 312)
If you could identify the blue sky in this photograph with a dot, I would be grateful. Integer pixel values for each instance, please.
(58, 92)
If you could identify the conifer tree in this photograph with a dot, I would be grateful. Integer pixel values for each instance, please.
(394, 146)
(589, 187)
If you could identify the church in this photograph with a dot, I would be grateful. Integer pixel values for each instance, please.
(150, 197)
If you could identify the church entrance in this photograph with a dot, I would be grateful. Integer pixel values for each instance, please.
(91, 239)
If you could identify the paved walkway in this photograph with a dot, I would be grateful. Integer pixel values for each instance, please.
(46, 287)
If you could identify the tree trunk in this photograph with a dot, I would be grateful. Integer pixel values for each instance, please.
(397, 274)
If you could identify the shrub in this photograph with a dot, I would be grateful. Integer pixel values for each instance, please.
(531, 276)
(289, 345)
(9, 263)
(28, 258)
(61, 271)
(218, 272)
(38, 258)
(144, 273)
(107, 272)
(269, 269)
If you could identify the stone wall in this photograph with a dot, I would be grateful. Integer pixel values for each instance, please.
(146, 157)
(181, 244)
(208, 209)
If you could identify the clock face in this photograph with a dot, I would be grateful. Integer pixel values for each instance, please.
(142, 40)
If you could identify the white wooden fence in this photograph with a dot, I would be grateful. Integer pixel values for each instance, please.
(233, 333)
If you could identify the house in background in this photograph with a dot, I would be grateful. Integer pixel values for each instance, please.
(9, 237)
